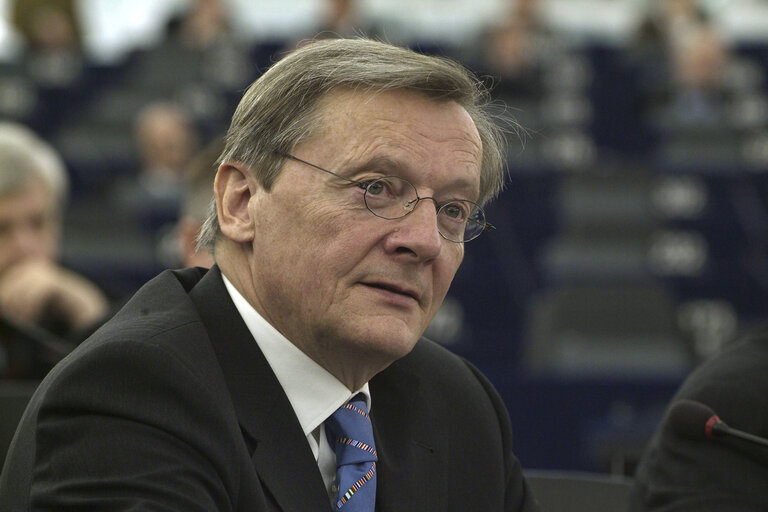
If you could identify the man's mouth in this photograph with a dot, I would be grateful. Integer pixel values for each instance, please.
(400, 290)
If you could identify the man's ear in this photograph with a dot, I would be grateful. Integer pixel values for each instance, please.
(233, 191)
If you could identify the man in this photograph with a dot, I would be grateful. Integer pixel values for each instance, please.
(35, 291)
(230, 389)
(681, 470)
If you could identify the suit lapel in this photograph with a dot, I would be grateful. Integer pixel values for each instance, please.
(405, 447)
(280, 452)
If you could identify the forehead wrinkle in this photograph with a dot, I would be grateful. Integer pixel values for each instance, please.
(407, 142)
(415, 139)
(384, 140)
(414, 161)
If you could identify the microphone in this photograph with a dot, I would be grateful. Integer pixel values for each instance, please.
(696, 421)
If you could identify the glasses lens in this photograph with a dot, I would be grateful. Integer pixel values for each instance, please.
(460, 221)
(390, 197)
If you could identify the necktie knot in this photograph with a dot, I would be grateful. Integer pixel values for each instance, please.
(350, 435)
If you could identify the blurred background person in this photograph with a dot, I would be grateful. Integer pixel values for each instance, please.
(344, 18)
(683, 470)
(200, 62)
(197, 197)
(509, 51)
(203, 24)
(46, 72)
(682, 58)
(165, 139)
(51, 31)
(35, 290)
(336, 19)
(698, 75)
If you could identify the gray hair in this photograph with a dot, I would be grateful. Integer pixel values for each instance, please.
(282, 107)
(25, 157)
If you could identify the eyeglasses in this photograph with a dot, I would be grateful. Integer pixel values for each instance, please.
(393, 197)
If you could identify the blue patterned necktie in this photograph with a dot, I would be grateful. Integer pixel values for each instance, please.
(350, 435)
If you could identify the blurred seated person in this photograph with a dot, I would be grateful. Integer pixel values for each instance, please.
(200, 51)
(165, 137)
(684, 471)
(37, 293)
(698, 73)
(181, 246)
(343, 17)
(336, 19)
(204, 23)
(514, 50)
(508, 51)
(53, 45)
(681, 58)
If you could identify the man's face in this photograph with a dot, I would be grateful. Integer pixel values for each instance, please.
(28, 228)
(331, 276)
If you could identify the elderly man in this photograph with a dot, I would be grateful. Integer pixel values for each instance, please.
(35, 291)
(292, 375)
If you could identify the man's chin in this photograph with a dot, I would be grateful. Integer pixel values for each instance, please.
(394, 347)
(390, 343)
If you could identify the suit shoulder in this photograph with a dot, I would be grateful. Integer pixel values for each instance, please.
(734, 382)
(159, 328)
(161, 305)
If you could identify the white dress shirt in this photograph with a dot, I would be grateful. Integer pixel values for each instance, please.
(314, 393)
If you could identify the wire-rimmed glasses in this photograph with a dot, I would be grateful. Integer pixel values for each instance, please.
(393, 197)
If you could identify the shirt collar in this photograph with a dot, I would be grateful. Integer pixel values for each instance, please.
(313, 392)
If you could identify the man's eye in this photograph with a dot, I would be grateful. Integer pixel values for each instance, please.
(455, 211)
(375, 187)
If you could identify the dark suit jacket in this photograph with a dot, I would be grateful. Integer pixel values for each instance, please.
(172, 406)
(681, 474)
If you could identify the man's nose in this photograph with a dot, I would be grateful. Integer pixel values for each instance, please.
(418, 233)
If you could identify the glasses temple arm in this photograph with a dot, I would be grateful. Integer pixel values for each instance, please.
(291, 157)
